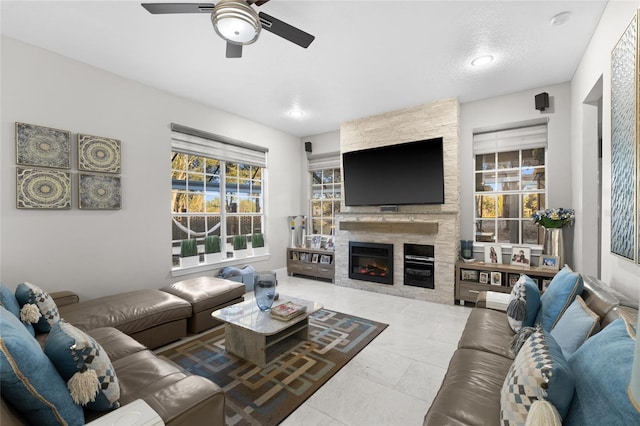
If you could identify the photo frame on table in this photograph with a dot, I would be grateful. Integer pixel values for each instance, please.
(493, 253)
(314, 258)
(521, 256)
(549, 262)
(316, 242)
(295, 255)
(469, 275)
(484, 277)
(545, 283)
(513, 279)
(496, 278)
(42, 146)
(325, 259)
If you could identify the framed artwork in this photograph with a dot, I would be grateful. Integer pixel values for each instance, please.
(545, 283)
(294, 255)
(484, 277)
(513, 279)
(521, 256)
(325, 259)
(304, 257)
(496, 278)
(624, 117)
(492, 253)
(98, 192)
(330, 245)
(42, 146)
(549, 262)
(42, 188)
(316, 241)
(536, 281)
(314, 258)
(98, 154)
(469, 275)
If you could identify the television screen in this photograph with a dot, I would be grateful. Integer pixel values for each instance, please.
(408, 173)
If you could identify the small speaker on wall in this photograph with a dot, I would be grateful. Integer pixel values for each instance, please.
(542, 101)
(308, 147)
(389, 209)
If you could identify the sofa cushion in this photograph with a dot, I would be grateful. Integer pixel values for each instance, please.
(10, 303)
(539, 371)
(575, 326)
(29, 381)
(524, 303)
(28, 295)
(489, 331)
(543, 413)
(84, 364)
(602, 369)
(562, 291)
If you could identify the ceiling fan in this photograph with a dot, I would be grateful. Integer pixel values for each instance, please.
(236, 22)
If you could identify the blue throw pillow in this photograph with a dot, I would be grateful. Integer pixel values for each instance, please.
(524, 304)
(85, 365)
(576, 325)
(602, 368)
(562, 291)
(539, 372)
(8, 300)
(28, 380)
(33, 301)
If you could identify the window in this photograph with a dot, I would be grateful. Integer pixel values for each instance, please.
(510, 184)
(326, 195)
(212, 186)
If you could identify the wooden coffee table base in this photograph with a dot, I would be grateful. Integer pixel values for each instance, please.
(261, 349)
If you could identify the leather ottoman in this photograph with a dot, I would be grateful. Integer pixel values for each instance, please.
(206, 294)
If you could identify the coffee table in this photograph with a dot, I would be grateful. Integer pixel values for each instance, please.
(253, 335)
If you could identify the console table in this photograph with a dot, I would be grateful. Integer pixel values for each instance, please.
(316, 263)
(472, 278)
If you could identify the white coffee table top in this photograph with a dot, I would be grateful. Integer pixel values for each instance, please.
(247, 315)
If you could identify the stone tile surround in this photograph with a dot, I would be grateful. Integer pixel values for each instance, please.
(438, 119)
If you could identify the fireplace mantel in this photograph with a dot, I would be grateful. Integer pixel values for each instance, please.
(389, 227)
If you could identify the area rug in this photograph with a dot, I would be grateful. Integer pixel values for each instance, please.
(266, 396)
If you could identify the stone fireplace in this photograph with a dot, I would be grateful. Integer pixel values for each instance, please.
(371, 262)
(433, 225)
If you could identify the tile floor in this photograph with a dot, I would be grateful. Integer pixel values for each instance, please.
(395, 378)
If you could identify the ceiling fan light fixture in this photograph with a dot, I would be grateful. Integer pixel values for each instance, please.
(482, 60)
(236, 22)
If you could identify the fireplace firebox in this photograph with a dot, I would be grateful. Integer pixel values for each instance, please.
(371, 262)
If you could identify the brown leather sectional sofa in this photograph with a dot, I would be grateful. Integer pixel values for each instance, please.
(470, 391)
(127, 326)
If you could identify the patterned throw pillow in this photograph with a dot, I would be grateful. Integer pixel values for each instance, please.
(8, 300)
(524, 303)
(85, 365)
(28, 380)
(539, 372)
(37, 307)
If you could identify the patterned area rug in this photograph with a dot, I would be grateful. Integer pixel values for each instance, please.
(266, 396)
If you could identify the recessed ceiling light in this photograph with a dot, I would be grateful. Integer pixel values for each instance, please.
(560, 19)
(482, 60)
(296, 113)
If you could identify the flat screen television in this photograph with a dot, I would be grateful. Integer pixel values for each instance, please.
(407, 173)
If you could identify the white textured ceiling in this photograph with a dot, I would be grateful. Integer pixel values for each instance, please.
(369, 56)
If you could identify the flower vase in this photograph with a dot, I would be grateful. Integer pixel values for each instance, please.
(554, 244)
(264, 289)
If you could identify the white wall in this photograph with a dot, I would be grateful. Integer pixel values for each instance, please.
(503, 110)
(103, 252)
(596, 63)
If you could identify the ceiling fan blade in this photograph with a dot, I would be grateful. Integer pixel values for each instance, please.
(161, 8)
(234, 50)
(285, 30)
(257, 2)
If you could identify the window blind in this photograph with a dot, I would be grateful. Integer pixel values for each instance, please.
(329, 160)
(513, 139)
(197, 142)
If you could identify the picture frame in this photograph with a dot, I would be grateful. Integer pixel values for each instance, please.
(316, 242)
(325, 259)
(513, 279)
(493, 254)
(42, 146)
(314, 258)
(295, 255)
(496, 278)
(545, 283)
(536, 281)
(304, 257)
(549, 262)
(43, 188)
(330, 244)
(99, 192)
(484, 277)
(98, 154)
(469, 275)
(521, 256)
